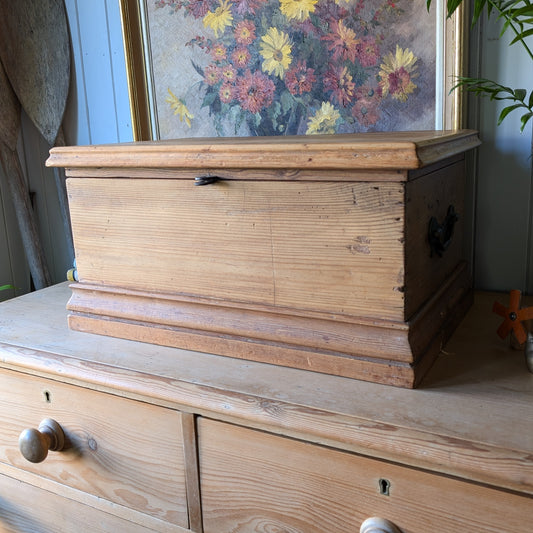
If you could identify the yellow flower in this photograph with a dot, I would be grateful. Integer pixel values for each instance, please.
(297, 9)
(179, 108)
(397, 73)
(220, 18)
(324, 120)
(276, 52)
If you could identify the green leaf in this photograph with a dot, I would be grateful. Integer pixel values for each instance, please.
(520, 94)
(210, 97)
(505, 27)
(235, 116)
(496, 96)
(485, 87)
(287, 101)
(525, 10)
(478, 9)
(274, 112)
(256, 119)
(506, 111)
(524, 119)
(522, 35)
(197, 68)
(6, 287)
(452, 5)
(507, 8)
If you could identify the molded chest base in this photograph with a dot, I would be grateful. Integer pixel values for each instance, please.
(309, 253)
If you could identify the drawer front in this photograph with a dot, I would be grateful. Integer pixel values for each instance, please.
(254, 481)
(28, 509)
(124, 451)
(328, 247)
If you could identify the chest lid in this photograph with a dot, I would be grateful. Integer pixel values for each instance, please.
(365, 151)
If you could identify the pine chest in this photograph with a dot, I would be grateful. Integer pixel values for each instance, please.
(339, 254)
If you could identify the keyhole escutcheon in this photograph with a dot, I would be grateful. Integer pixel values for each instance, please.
(384, 487)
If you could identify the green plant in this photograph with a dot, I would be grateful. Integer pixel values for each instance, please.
(517, 17)
(6, 287)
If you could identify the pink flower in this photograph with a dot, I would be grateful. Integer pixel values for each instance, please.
(241, 56)
(244, 7)
(368, 51)
(331, 11)
(226, 93)
(245, 32)
(300, 79)
(254, 91)
(218, 52)
(366, 108)
(212, 74)
(197, 8)
(339, 81)
(228, 73)
(398, 80)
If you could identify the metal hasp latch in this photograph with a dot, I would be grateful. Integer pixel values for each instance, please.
(440, 235)
(205, 180)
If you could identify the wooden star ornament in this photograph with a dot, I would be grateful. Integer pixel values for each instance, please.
(513, 317)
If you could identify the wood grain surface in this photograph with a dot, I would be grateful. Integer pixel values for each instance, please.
(398, 150)
(330, 247)
(253, 481)
(295, 240)
(331, 276)
(25, 508)
(471, 418)
(110, 444)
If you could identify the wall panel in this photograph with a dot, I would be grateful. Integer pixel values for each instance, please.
(98, 109)
(42, 184)
(97, 112)
(13, 267)
(118, 69)
(504, 175)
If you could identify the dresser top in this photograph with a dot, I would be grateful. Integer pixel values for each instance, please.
(472, 416)
(379, 151)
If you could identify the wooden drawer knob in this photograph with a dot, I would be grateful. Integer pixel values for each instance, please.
(35, 443)
(378, 525)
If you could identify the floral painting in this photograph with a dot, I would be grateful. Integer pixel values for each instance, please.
(287, 67)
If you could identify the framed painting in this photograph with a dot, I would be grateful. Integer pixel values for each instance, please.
(206, 68)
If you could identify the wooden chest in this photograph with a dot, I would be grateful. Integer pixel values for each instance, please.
(338, 254)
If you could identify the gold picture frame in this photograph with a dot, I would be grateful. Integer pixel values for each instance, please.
(450, 60)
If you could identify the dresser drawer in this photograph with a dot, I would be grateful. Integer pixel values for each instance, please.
(254, 481)
(124, 451)
(50, 513)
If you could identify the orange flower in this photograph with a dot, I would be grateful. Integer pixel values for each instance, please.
(342, 42)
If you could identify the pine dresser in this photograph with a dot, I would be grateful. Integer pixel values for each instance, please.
(154, 438)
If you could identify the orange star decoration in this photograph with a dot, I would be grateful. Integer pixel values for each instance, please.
(513, 317)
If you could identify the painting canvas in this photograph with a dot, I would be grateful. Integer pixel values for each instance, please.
(291, 67)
